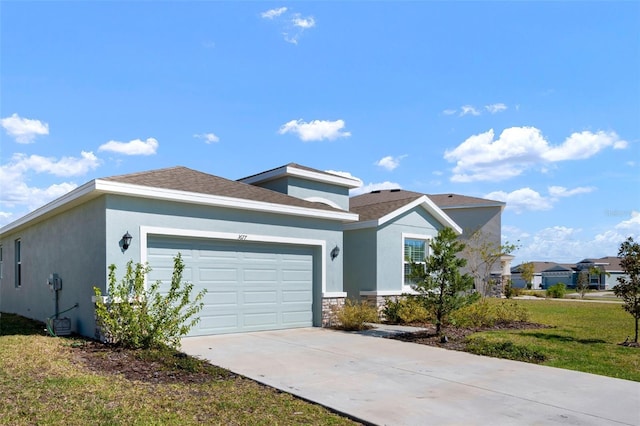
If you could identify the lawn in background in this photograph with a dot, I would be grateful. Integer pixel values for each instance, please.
(583, 336)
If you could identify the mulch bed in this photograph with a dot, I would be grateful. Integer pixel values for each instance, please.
(133, 365)
(457, 336)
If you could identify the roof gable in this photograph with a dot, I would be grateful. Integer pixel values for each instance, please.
(379, 207)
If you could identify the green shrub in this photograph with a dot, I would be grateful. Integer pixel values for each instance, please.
(354, 315)
(135, 317)
(506, 350)
(405, 310)
(557, 291)
(487, 313)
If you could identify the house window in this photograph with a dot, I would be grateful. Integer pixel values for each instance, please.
(18, 264)
(415, 251)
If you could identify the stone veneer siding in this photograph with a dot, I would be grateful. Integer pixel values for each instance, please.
(329, 307)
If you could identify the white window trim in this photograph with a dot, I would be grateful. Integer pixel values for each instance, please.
(411, 236)
(145, 231)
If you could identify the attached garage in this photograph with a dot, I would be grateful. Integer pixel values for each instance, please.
(251, 286)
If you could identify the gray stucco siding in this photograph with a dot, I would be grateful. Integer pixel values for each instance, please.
(391, 249)
(130, 214)
(71, 245)
(305, 189)
(360, 260)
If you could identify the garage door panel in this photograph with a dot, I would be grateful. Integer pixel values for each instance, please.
(250, 286)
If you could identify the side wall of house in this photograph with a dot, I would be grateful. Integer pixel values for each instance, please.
(71, 245)
(488, 220)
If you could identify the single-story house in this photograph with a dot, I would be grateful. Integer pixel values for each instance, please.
(567, 274)
(538, 267)
(274, 250)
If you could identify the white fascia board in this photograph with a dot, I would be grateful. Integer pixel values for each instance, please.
(306, 174)
(66, 201)
(430, 207)
(423, 201)
(109, 187)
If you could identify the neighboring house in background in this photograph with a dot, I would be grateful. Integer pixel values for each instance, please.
(274, 250)
(538, 268)
(568, 273)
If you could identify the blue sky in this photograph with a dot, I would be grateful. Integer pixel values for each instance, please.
(536, 104)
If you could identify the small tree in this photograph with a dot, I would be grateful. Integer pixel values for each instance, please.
(441, 286)
(135, 317)
(582, 283)
(526, 272)
(628, 287)
(483, 254)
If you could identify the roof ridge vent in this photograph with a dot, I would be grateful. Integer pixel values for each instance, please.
(396, 190)
(376, 191)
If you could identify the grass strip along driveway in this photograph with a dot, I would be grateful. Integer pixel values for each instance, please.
(583, 336)
(63, 381)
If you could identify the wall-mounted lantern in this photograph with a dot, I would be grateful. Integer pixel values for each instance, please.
(335, 252)
(126, 240)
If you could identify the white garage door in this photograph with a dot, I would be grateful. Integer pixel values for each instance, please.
(250, 287)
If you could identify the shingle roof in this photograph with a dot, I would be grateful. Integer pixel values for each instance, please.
(456, 200)
(538, 267)
(189, 180)
(308, 172)
(377, 204)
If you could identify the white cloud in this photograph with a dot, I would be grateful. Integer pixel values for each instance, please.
(18, 194)
(24, 130)
(134, 147)
(561, 191)
(208, 137)
(292, 25)
(449, 111)
(522, 199)
(304, 23)
(569, 245)
(483, 158)
(527, 199)
(583, 145)
(374, 187)
(495, 108)
(468, 110)
(272, 13)
(389, 162)
(315, 130)
(66, 166)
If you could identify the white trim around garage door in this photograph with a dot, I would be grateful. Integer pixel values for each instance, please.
(230, 236)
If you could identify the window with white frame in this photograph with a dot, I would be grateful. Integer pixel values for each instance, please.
(18, 258)
(416, 250)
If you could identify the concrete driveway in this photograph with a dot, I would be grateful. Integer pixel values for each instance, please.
(388, 382)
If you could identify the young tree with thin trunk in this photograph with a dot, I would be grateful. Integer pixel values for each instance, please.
(483, 255)
(526, 272)
(442, 287)
(628, 287)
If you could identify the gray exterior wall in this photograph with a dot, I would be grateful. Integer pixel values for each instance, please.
(360, 260)
(70, 244)
(486, 219)
(374, 261)
(128, 214)
(305, 189)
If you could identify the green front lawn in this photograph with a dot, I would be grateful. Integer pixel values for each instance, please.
(44, 380)
(584, 336)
